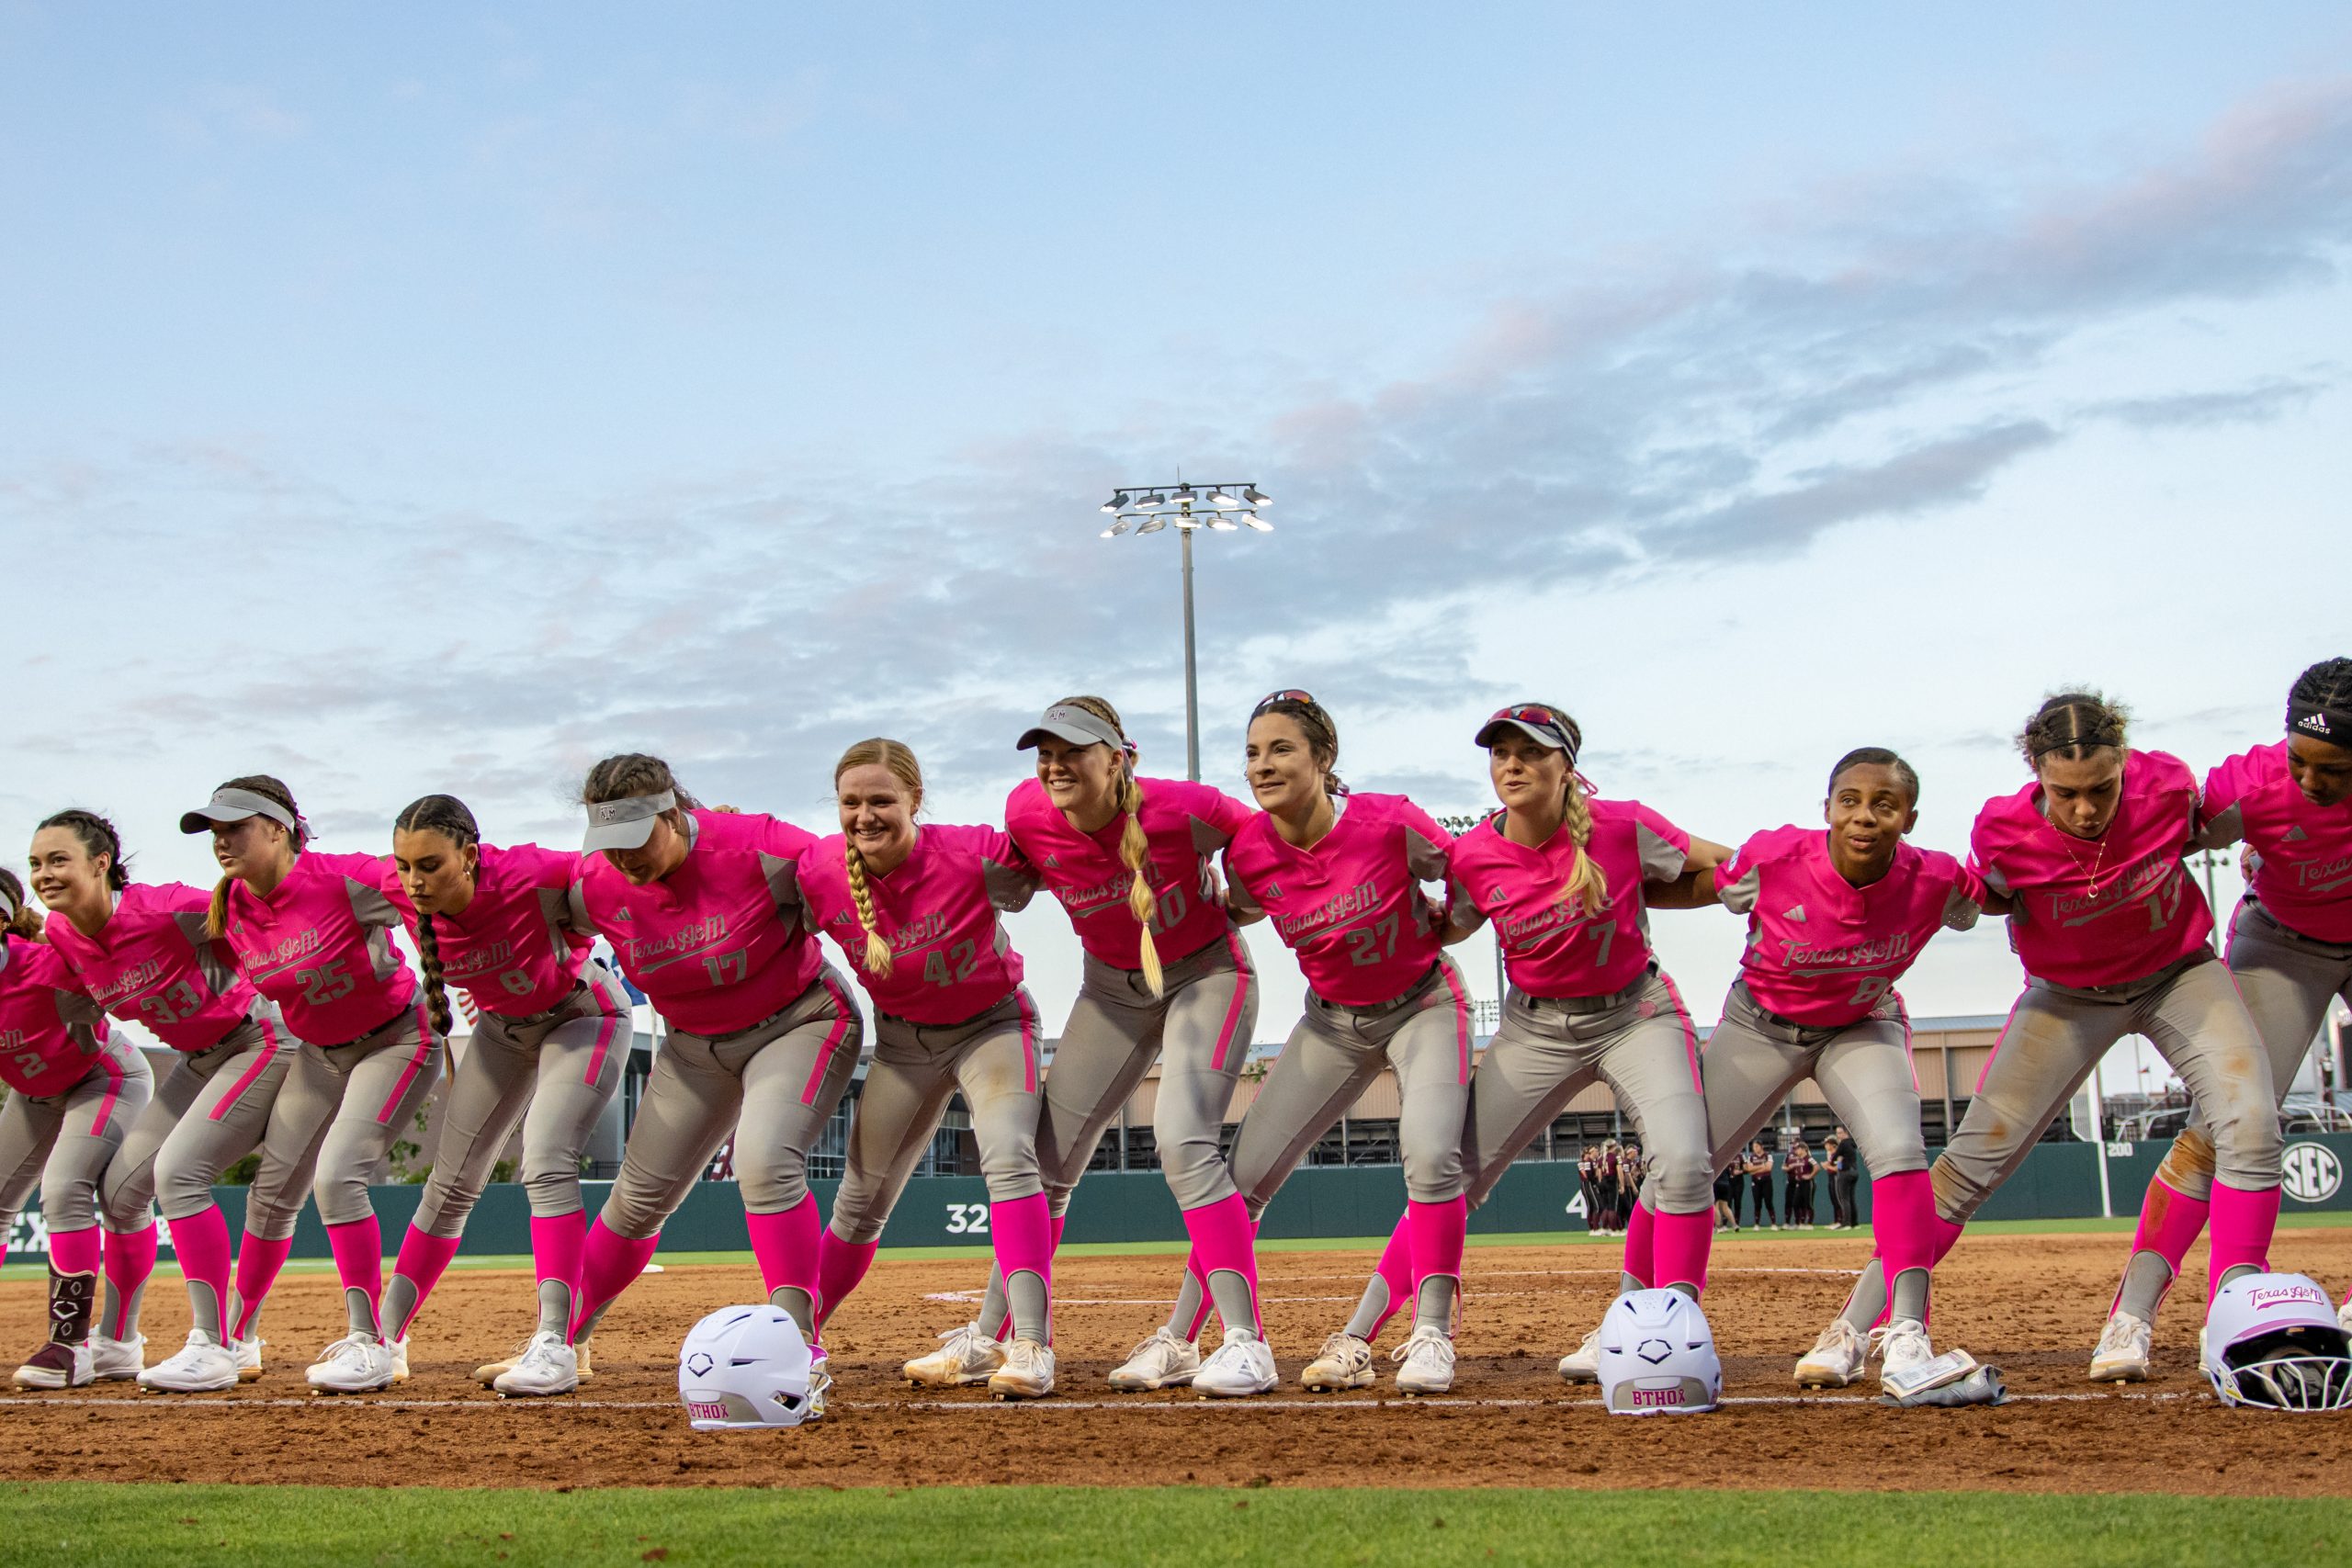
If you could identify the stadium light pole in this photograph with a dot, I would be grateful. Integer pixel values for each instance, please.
(1187, 508)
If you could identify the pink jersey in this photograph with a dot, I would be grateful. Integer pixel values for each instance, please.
(719, 944)
(1820, 950)
(320, 945)
(1351, 906)
(1185, 824)
(151, 964)
(1554, 946)
(52, 1033)
(2104, 911)
(516, 949)
(2302, 864)
(950, 957)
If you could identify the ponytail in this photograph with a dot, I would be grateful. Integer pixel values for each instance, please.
(20, 921)
(878, 958)
(447, 816)
(1135, 850)
(1586, 880)
(216, 915)
(428, 956)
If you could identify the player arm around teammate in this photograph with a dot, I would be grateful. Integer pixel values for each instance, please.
(140, 951)
(2116, 939)
(1561, 874)
(2289, 946)
(548, 1046)
(72, 1092)
(1835, 917)
(1166, 977)
(703, 909)
(916, 910)
(313, 932)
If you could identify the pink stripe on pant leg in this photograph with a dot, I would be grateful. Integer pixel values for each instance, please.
(1689, 1035)
(1461, 1021)
(415, 1065)
(1222, 1239)
(606, 1030)
(113, 1070)
(1028, 1043)
(1233, 1009)
(261, 1065)
(2241, 1223)
(833, 1040)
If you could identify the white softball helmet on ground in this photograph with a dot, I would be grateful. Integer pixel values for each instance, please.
(2272, 1342)
(1658, 1357)
(744, 1365)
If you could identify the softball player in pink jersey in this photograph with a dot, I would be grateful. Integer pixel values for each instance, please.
(547, 1050)
(314, 933)
(1166, 978)
(916, 910)
(2289, 950)
(1562, 874)
(142, 952)
(1340, 875)
(2116, 939)
(703, 910)
(71, 1093)
(1834, 919)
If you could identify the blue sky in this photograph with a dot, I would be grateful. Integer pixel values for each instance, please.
(441, 400)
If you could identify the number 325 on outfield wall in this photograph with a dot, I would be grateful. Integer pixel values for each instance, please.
(968, 1219)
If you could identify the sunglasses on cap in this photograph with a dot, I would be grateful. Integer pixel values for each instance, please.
(1289, 695)
(1538, 722)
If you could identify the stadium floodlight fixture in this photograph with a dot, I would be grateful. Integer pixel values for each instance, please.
(1255, 496)
(1223, 523)
(1115, 529)
(1251, 520)
(1151, 525)
(1154, 499)
(1117, 503)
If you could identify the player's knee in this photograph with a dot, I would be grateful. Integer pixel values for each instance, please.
(184, 1185)
(858, 1214)
(1679, 1183)
(1958, 1194)
(2187, 1165)
(553, 1191)
(1435, 1178)
(2247, 1149)
(71, 1206)
(774, 1186)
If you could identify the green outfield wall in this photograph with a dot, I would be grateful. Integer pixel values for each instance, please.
(2058, 1181)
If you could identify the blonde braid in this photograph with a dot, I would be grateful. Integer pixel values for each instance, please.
(877, 951)
(1585, 879)
(1135, 849)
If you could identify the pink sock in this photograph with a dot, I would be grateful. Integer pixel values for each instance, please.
(201, 1242)
(2170, 1223)
(2242, 1221)
(609, 1264)
(786, 1245)
(1222, 1238)
(1023, 1229)
(258, 1261)
(1438, 1229)
(129, 1258)
(1641, 1246)
(74, 1252)
(555, 1241)
(1682, 1244)
(358, 1250)
(1396, 1270)
(422, 1262)
(840, 1266)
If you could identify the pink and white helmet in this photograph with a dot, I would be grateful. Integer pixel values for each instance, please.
(2272, 1342)
(1657, 1356)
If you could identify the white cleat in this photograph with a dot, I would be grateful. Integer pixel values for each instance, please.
(2122, 1353)
(118, 1360)
(1164, 1360)
(55, 1366)
(357, 1363)
(1836, 1359)
(1428, 1359)
(202, 1366)
(1901, 1345)
(488, 1372)
(1243, 1365)
(248, 1357)
(820, 1383)
(1583, 1363)
(1027, 1372)
(546, 1367)
(965, 1356)
(399, 1360)
(1344, 1362)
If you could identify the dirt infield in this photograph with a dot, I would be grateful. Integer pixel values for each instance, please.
(2031, 1304)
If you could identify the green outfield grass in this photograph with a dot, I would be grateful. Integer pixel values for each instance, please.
(2309, 1221)
(185, 1526)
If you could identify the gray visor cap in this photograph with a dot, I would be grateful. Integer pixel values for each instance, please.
(234, 806)
(1078, 726)
(1540, 734)
(627, 823)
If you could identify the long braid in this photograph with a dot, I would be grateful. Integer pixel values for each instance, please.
(878, 958)
(215, 917)
(1586, 882)
(448, 816)
(1135, 845)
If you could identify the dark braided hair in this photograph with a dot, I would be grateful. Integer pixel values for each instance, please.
(2328, 685)
(447, 816)
(2073, 725)
(1322, 735)
(98, 838)
(21, 921)
(216, 919)
(1876, 756)
(634, 773)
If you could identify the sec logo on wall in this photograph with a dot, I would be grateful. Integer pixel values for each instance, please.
(2312, 1173)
